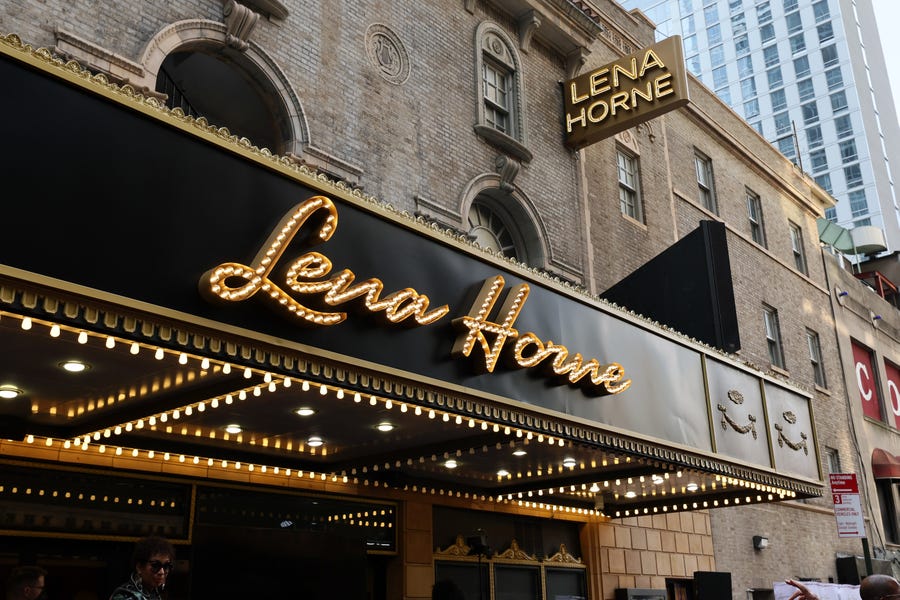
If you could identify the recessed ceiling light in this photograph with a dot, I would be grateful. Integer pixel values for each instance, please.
(657, 479)
(305, 411)
(502, 473)
(234, 428)
(74, 366)
(569, 462)
(519, 452)
(692, 487)
(630, 494)
(450, 463)
(314, 442)
(384, 426)
(8, 392)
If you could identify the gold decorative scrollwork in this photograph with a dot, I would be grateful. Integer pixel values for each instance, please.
(563, 556)
(515, 553)
(458, 548)
(737, 398)
(791, 418)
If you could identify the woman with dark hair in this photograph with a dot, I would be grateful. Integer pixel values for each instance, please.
(151, 562)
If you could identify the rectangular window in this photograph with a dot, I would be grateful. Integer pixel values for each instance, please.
(629, 185)
(724, 94)
(848, 151)
(794, 22)
(745, 66)
(720, 77)
(717, 56)
(797, 248)
(688, 25)
(824, 182)
(829, 56)
(773, 336)
(763, 13)
(786, 146)
(838, 101)
(806, 90)
(834, 78)
(810, 113)
(801, 66)
(815, 357)
(779, 100)
(820, 11)
(774, 77)
(751, 108)
(754, 213)
(790, 5)
(690, 44)
(770, 55)
(814, 136)
(767, 33)
(693, 63)
(825, 32)
(853, 176)
(748, 88)
(858, 204)
(711, 14)
(741, 44)
(818, 161)
(714, 34)
(798, 43)
(738, 24)
(843, 126)
(782, 123)
(832, 460)
(496, 96)
(735, 6)
(705, 185)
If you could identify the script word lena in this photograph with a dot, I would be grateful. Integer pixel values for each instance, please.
(528, 351)
(235, 282)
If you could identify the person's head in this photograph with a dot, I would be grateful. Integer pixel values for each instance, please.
(153, 560)
(26, 583)
(878, 587)
(446, 590)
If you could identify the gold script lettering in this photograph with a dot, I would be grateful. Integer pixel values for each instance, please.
(529, 351)
(235, 282)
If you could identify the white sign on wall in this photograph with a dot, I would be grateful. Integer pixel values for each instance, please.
(847, 508)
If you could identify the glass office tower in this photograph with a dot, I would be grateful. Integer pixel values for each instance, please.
(809, 76)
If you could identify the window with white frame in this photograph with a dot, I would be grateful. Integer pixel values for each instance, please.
(704, 169)
(797, 248)
(815, 357)
(500, 92)
(773, 337)
(754, 213)
(629, 185)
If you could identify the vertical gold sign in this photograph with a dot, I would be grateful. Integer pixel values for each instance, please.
(623, 93)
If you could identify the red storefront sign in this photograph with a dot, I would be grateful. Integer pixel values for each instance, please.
(865, 381)
(893, 391)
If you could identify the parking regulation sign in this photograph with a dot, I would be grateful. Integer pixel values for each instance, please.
(847, 508)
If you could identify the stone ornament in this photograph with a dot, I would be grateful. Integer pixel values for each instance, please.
(387, 53)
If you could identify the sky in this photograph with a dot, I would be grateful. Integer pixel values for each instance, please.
(887, 12)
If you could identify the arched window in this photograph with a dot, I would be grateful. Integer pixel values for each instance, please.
(498, 222)
(499, 92)
(226, 88)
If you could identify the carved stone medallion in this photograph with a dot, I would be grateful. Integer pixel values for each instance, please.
(387, 53)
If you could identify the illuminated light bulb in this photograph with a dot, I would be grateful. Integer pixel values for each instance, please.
(692, 487)
(503, 473)
(267, 378)
(385, 426)
(26, 323)
(418, 410)
(226, 368)
(202, 406)
(431, 414)
(248, 373)
(630, 494)
(110, 342)
(182, 359)
(519, 452)
(484, 425)
(323, 390)
(569, 462)
(135, 348)
(8, 392)
(257, 391)
(340, 394)
(287, 382)
(82, 337)
(446, 417)
(204, 364)
(229, 399)
(314, 442)
(388, 404)
(159, 354)
(242, 395)
(305, 411)
(459, 419)
(54, 331)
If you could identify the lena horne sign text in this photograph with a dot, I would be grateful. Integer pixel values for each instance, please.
(626, 92)
(308, 278)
